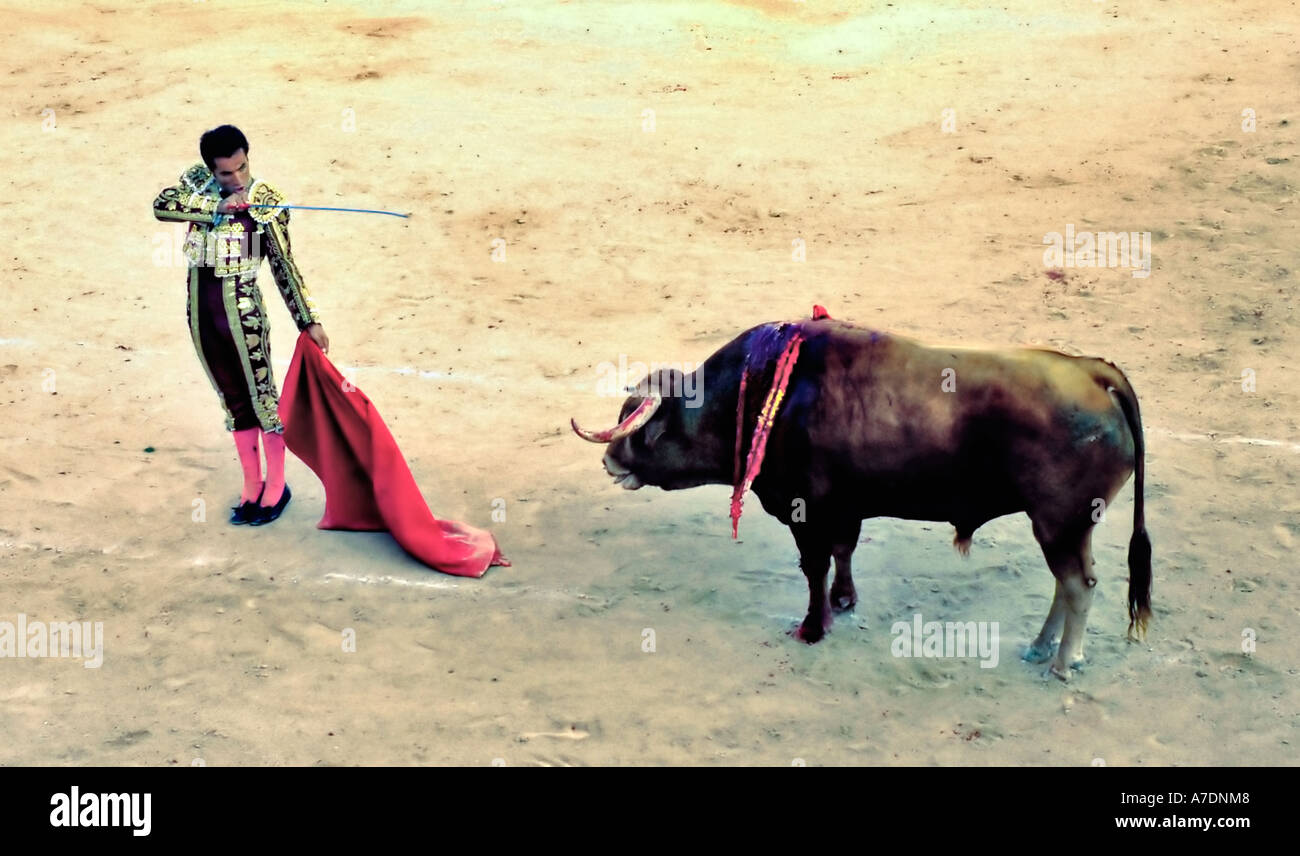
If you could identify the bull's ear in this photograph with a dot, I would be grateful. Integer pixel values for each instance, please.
(654, 431)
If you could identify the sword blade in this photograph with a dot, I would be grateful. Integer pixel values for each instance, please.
(322, 208)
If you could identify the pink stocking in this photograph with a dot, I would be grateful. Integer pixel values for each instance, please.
(251, 461)
(274, 445)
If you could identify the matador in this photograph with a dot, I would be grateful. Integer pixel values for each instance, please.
(228, 321)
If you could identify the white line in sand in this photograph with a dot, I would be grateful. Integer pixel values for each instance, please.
(1218, 438)
(424, 374)
(437, 584)
(546, 593)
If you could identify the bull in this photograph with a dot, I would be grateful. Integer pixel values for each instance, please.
(878, 425)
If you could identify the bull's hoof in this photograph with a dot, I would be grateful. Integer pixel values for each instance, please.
(811, 632)
(843, 601)
(1062, 673)
(1053, 671)
(1039, 653)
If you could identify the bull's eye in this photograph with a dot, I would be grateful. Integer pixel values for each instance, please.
(650, 436)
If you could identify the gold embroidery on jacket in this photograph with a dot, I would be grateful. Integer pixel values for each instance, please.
(287, 278)
(234, 250)
(198, 178)
(194, 198)
(173, 204)
(263, 193)
(222, 243)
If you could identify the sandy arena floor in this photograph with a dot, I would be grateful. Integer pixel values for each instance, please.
(648, 168)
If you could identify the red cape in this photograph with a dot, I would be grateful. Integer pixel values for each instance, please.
(335, 430)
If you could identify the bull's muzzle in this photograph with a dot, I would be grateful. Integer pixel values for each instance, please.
(636, 419)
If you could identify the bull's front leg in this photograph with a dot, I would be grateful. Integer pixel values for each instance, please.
(814, 560)
(843, 595)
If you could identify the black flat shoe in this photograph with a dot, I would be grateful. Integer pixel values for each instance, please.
(262, 515)
(246, 510)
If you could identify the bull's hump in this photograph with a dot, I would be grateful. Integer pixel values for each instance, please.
(841, 329)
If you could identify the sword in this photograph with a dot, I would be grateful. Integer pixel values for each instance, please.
(320, 208)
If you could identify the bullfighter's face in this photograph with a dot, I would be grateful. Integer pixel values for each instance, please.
(232, 173)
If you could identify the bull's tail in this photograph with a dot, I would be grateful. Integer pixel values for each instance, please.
(1139, 546)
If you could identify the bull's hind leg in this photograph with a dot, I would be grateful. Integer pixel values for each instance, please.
(1042, 648)
(814, 559)
(1070, 558)
(843, 595)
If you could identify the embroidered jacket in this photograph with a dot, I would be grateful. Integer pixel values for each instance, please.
(215, 240)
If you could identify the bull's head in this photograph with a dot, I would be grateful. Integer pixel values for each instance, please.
(659, 440)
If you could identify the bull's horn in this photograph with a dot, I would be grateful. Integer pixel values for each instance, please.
(634, 420)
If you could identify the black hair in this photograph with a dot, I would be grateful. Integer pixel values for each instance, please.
(221, 142)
